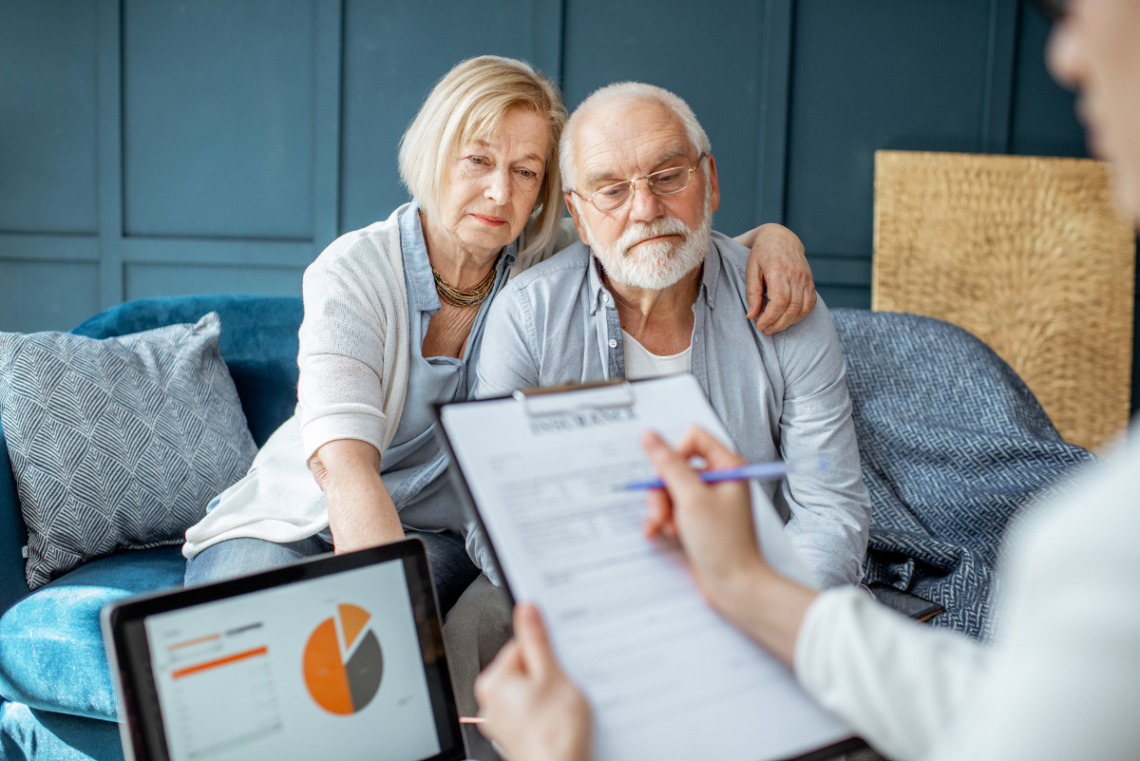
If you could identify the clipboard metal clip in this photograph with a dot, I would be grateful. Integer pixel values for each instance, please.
(538, 402)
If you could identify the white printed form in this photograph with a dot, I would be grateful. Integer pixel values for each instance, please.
(667, 677)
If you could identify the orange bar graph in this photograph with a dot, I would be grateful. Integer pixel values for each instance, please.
(219, 662)
(195, 641)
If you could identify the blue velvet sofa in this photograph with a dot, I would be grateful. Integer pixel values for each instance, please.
(56, 700)
(953, 445)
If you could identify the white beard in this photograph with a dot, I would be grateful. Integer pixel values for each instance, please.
(656, 265)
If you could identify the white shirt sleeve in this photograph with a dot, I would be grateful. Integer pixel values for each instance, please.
(1061, 680)
(893, 680)
(354, 348)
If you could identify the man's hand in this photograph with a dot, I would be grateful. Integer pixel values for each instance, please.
(778, 265)
(528, 704)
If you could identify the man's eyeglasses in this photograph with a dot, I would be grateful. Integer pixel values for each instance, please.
(666, 182)
(1053, 9)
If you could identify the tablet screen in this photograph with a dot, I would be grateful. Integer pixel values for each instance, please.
(335, 663)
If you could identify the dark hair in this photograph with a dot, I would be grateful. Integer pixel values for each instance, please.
(1054, 10)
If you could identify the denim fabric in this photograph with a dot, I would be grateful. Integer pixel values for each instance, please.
(241, 557)
(451, 569)
(414, 465)
(781, 396)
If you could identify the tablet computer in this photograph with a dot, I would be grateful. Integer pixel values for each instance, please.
(339, 656)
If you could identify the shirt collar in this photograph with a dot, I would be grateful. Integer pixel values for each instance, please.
(422, 295)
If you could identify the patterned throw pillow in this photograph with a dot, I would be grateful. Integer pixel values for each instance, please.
(117, 443)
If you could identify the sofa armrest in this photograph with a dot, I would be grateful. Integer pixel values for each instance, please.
(13, 536)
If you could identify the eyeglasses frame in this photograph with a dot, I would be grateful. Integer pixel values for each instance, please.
(633, 187)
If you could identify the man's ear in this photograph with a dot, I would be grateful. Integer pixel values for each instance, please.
(573, 209)
(714, 188)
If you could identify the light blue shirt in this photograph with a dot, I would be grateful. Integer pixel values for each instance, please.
(780, 397)
(413, 463)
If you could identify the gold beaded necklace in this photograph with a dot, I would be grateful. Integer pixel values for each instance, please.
(472, 297)
(457, 297)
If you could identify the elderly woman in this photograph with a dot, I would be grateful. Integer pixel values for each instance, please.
(393, 319)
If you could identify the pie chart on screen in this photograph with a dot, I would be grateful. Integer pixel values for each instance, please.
(343, 663)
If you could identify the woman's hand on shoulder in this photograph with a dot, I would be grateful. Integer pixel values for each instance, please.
(777, 266)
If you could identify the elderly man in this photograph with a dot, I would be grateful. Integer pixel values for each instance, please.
(657, 292)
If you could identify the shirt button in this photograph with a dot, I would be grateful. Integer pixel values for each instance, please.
(606, 297)
(613, 343)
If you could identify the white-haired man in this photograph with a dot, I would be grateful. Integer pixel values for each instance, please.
(655, 291)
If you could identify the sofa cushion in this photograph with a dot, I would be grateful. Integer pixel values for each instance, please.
(34, 735)
(117, 443)
(51, 647)
(259, 344)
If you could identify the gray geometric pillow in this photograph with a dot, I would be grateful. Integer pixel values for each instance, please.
(117, 443)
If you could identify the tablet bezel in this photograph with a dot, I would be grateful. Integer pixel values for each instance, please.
(128, 653)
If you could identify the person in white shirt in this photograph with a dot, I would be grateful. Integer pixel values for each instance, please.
(1061, 678)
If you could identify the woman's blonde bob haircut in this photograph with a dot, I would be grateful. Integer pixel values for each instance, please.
(469, 102)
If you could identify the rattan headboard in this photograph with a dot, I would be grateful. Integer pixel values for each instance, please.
(1030, 255)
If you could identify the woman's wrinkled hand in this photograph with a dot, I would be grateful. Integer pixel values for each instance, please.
(778, 267)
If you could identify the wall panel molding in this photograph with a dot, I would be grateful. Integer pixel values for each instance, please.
(1001, 73)
(49, 247)
(329, 24)
(775, 90)
(218, 252)
(110, 152)
(549, 37)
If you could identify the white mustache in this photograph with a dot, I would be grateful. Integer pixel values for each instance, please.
(645, 230)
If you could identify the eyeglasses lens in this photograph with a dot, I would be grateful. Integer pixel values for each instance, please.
(667, 182)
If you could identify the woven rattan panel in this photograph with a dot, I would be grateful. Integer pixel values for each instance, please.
(1030, 255)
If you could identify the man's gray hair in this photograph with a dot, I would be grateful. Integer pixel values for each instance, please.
(629, 92)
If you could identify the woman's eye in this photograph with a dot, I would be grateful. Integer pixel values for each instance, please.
(528, 173)
(479, 160)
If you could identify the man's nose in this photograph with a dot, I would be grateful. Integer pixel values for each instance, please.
(645, 206)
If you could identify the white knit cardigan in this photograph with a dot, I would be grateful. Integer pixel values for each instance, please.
(354, 364)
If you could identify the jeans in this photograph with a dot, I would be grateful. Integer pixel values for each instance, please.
(451, 569)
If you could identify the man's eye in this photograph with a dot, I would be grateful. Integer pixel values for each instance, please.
(613, 191)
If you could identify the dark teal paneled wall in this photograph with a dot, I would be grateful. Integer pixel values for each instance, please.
(153, 147)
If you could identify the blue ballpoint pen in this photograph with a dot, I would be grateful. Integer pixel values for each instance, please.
(755, 471)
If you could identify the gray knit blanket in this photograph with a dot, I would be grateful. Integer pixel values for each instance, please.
(953, 445)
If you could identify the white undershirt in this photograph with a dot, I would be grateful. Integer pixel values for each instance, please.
(639, 363)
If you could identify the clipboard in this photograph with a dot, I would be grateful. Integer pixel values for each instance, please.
(543, 471)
